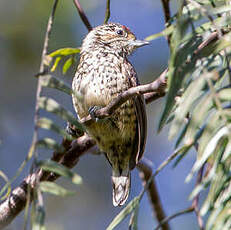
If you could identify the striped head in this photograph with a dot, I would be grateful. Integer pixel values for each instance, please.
(112, 37)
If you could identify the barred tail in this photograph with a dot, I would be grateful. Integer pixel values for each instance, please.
(121, 189)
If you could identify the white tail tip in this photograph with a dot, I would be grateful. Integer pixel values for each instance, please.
(121, 189)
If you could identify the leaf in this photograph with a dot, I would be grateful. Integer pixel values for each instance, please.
(183, 151)
(198, 116)
(68, 64)
(48, 124)
(52, 166)
(28, 157)
(208, 151)
(38, 224)
(64, 52)
(215, 47)
(5, 178)
(124, 213)
(201, 112)
(164, 32)
(134, 219)
(191, 94)
(49, 143)
(227, 152)
(225, 94)
(178, 67)
(213, 125)
(52, 82)
(50, 105)
(57, 60)
(213, 216)
(54, 189)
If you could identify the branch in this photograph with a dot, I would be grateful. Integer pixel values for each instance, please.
(185, 211)
(145, 174)
(82, 15)
(107, 13)
(154, 90)
(42, 69)
(167, 16)
(16, 202)
(166, 8)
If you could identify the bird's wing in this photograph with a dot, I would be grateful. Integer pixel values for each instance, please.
(141, 130)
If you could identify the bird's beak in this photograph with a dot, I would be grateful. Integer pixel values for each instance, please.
(138, 43)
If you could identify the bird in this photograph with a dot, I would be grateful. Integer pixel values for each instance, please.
(104, 72)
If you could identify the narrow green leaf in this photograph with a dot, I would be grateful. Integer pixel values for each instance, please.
(212, 145)
(39, 219)
(225, 95)
(220, 217)
(220, 10)
(28, 157)
(227, 152)
(179, 67)
(50, 105)
(164, 32)
(48, 124)
(212, 126)
(227, 223)
(198, 116)
(124, 213)
(183, 151)
(57, 60)
(200, 113)
(52, 82)
(64, 52)
(61, 170)
(213, 216)
(212, 174)
(68, 64)
(191, 94)
(134, 219)
(54, 189)
(181, 136)
(5, 178)
(49, 143)
(216, 47)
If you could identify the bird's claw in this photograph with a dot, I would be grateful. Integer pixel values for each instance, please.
(92, 111)
(71, 130)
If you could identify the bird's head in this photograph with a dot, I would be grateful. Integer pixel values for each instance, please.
(112, 37)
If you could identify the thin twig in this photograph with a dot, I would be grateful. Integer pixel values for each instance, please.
(107, 12)
(82, 15)
(166, 8)
(39, 90)
(195, 203)
(167, 219)
(42, 69)
(158, 211)
(167, 16)
(162, 165)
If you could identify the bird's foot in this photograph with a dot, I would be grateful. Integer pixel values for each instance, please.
(92, 111)
(73, 131)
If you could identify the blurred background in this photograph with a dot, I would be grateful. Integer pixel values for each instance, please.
(22, 29)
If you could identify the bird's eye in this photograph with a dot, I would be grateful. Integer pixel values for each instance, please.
(120, 32)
